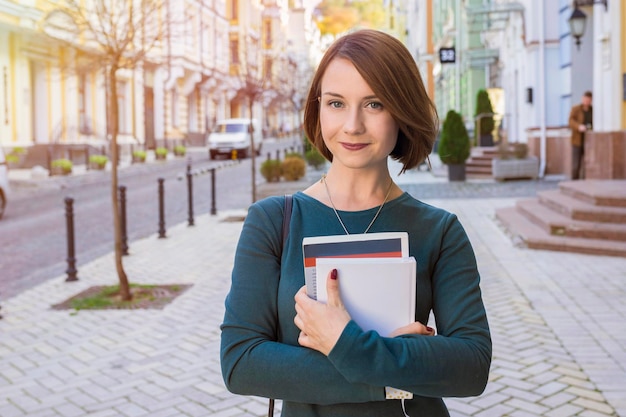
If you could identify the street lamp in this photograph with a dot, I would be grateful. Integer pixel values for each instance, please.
(577, 22)
(578, 19)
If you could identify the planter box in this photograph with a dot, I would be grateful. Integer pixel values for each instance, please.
(96, 167)
(59, 171)
(456, 172)
(515, 168)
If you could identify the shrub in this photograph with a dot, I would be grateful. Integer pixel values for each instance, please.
(293, 155)
(315, 158)
(271, 170)
(63, 164)
(160, 151)
(483, 105)
(454, 145)
(139, 154)
(18, 150)
(293, 168)
(180, 150)
(12, 158)
(98, 159)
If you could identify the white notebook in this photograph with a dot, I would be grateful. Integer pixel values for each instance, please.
(379, 293)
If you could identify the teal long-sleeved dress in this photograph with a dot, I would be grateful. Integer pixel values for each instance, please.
(260, 354)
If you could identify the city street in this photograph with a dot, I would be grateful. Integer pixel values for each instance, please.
(557, 323)
(33, 244)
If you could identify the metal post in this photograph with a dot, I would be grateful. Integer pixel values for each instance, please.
(278, 154)
(213, 209)
(49, 161)
(122, 190)
(71, 258)
(190, 221)
(161, 210)
(269, 156)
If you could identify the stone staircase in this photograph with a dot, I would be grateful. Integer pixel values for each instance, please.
(479, 162)
(581, 216)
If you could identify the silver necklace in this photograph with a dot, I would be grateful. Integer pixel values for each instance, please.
(345, 229)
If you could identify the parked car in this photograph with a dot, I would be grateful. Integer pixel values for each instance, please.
(4, 183)
(234, 135)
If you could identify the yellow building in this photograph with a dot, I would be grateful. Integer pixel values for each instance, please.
(52, 94)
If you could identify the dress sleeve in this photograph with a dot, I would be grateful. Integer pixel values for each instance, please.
(253, 362)
(455, 362)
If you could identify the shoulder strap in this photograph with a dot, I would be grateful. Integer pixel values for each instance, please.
(286, 221)
(287, 216)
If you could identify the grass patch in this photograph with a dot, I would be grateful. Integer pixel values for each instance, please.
(108, 297)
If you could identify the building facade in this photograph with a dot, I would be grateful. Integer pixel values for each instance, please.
(524, 54)
(188, 80)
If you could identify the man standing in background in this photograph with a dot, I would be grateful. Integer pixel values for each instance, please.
(580, 121)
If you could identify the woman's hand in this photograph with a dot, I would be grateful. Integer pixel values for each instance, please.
(413, 328)
(321, 324)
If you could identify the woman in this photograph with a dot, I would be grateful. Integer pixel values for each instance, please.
(366, 102)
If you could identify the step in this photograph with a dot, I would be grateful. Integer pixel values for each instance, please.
(598, 192)
(482, 158)
(578, 209)
(535, 237)
(478, 163)
(557, 224)
(477, 170)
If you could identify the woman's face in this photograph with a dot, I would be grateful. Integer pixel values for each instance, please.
(357, 129)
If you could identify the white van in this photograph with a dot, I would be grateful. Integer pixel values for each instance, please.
(234, 135)
(4, 183)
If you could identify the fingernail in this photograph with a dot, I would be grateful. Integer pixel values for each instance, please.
(333, 274)
(430, 329)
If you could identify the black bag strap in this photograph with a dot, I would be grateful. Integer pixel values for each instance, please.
(287, 216)
(286, 222)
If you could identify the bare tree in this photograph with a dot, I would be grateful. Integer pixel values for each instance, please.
(114, 35)
(253, 85)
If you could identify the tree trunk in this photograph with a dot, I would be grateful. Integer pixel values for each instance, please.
(117, 228)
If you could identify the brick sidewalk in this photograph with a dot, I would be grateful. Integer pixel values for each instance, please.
(557, 324)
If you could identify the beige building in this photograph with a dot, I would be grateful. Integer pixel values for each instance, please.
(200, 72)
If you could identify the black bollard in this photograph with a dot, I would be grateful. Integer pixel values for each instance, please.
(190, 221)
(161, 209)
(213, 209)
(71, 258)
(278, 154)
(269, 156)
(122, 190)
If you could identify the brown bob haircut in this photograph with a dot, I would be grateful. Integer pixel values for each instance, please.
(389, 69)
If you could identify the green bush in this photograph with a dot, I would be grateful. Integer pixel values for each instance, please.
(18, 150)
(12, 158)
(454, 145)
(315, 158)
(271, 170)
(98, 159)
(293, 155)
(160, 151)
(180, 150)
(64, 164)
(293, 168)
(139, 154)
(483, 105)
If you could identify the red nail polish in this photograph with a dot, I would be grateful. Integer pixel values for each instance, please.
(333, 274)
(430, 329)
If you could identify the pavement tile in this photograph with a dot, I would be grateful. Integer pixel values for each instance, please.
(558, 350)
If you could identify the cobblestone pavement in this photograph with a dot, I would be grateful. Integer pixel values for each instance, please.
(557, 324)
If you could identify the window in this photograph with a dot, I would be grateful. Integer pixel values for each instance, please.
(234, 10)
(234, 51)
